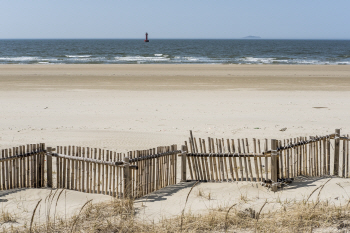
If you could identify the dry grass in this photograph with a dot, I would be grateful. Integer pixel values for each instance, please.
(119, 216)
(201, 193)
(6, 217)
(33, 215)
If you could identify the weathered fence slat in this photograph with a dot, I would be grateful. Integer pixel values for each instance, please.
(347, 157)
(260, 162)
(215, 168)
(28, 167)
(336, 152)
(249, 160)
(274, 163)
(230, 160)
(344, 160)
(255, 161)
(280, 161)
(3, 180)
(114, 187)
(64, 170)
(205, 160)
(49, 167)
(266, 162)
(188, 161)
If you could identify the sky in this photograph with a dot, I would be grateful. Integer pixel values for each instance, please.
(169, 19)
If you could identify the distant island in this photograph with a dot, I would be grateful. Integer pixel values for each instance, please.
(252, 37)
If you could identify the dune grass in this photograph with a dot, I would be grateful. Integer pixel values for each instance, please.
(120, 216)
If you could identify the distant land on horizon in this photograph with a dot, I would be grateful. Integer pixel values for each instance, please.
(252, 37)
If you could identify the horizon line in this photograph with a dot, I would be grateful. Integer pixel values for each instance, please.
(106, 38)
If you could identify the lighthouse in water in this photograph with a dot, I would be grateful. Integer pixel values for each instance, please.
(146, 37)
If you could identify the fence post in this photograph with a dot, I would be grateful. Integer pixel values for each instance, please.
(183, 164)
(39, 165)
(49, 166)
(274, 163)
(336, 152)
(127, 179)
(42, 157)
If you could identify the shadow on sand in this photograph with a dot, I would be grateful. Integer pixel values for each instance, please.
(162, 194)
(165, 192)
(10, 191)
(305, 181)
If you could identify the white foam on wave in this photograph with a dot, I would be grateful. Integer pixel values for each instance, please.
(18, 59)
(307, 62)
(27, 59)
(343, 63)
(186, 59)
(163, 58)
(263, 60)
(87, 59)
(191, 58)
(141, 59)
(269, 60)
(78, 56)
(280, 61)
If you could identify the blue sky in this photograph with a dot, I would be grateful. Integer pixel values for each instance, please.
(307, 19)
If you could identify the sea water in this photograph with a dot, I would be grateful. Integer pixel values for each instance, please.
(174, 51)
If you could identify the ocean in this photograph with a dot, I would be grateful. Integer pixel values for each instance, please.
(174, 51)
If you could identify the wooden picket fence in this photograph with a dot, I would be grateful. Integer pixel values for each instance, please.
(85, 169)
(131, 175)
(89, 170)
(241, 160)
(22, 167)
(138, 173)
(157, 168)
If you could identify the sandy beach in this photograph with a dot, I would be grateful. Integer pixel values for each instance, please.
(130, 107)
(127, 107)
